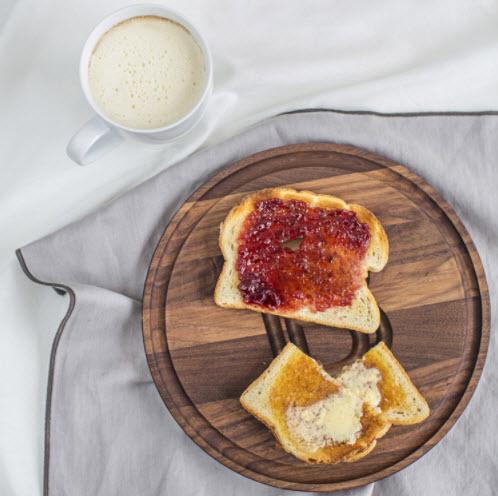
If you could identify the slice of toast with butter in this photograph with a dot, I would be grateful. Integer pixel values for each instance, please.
(321, 419)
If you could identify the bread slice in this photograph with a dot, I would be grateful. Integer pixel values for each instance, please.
(402, 404)
(362, 315)
(293, 378)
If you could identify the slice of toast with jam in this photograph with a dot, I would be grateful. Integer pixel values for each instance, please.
(304, 256)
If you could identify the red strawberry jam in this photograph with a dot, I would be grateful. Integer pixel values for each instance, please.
(292, 255)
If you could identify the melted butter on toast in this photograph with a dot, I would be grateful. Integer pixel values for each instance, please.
(339, 415)
(321, 419)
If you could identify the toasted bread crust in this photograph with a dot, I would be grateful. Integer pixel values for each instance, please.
(411, 400)
(360, 448)
(227, 293)
(256, 399)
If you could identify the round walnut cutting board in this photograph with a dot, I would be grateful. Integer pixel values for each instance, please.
(432, 293)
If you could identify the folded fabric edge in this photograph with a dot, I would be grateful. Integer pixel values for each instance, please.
(435, 113)
(60, 289)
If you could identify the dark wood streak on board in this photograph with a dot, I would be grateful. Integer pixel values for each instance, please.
(275, 332)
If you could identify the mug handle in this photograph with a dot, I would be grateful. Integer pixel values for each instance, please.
(94, 139)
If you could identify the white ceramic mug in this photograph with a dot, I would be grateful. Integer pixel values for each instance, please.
(100, 134)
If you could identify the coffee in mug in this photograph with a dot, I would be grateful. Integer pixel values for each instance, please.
(146, 72)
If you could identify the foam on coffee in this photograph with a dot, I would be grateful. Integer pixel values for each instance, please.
(146, 72)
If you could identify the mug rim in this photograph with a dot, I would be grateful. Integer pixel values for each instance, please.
(139, 10)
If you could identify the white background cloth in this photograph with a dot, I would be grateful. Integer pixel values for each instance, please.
(268, 58)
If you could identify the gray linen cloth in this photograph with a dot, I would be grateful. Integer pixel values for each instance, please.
(108, 433)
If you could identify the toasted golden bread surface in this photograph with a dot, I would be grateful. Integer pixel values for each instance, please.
(294, 379)
(402, 403)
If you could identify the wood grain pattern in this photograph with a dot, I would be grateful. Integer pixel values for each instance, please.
(433, 296)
